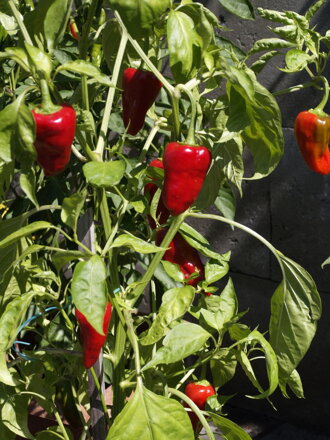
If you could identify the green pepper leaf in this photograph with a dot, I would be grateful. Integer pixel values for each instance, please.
(242, 8)
(175, 303)
(184, 44)
(183, 340)
(89, 290)
(104, 174)
(150, 416)
(139, 245)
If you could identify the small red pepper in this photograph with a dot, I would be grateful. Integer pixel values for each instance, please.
(185, 168)
(54, 136)
(185, 256)
(73, 29)
(162, 213)
(92, 341)
(312, 132)
(140, 90)
(198, 392)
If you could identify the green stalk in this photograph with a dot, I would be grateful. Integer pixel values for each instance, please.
(147, 144)
(115, 229)
(83, 43)
(145, 58)
(197, 411)
(173, 229)
(325, 98)
(98, 386)
(60, 423)
(296, 88)
(20, 22)
(46, 100)
(135, 344)
(118, 367)
(191, 131)
(176, 115)
(111, 94)
(243, 228)
(106, 220)
(85, 147)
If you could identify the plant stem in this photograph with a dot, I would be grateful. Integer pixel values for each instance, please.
(115, 229)
(196, 410)
(243, 228)
(145, 58)
(118, 368)
(60, 423)
(83, 43)
(46, 100)
(84, 145)
(147, 144)
(296, 88)
(173, 229)
(20, 22)
(191, 131)
(176, 114)
(104, 210)
(111, 94)
(98, 386)
(325, 98)
(134, 342)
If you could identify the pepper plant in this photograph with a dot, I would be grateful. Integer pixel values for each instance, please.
(120, 122)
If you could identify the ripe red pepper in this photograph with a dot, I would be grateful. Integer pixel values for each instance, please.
(312, 132)
(92, 341)
(150, 188)
(185, 256)
(185, 168)
(140, 90)
(198, 392)
(54, 136)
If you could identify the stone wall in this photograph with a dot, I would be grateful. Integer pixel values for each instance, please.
(291, 209)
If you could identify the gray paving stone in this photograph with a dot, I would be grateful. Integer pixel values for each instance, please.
(291, 432)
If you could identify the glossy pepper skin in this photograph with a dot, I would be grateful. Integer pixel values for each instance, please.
(92, 341)
(185, 256)
(54, 136)
(162, 212)
(198, 392)
(185, 168)
(312, 133)
(140, 90)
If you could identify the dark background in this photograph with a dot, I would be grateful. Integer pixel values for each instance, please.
(291, 209)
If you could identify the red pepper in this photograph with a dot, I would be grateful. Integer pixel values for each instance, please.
(92, 341)
(198, 392)
(185, 256)
(313, 134)
(150, 188)
(185, 168)
(54, 136)
(140, 90)
(73, 29)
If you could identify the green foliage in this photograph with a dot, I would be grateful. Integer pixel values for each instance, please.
(82, 238)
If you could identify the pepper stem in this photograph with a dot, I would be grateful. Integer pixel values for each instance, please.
(190, 140)
(46, 100)
(325, 98)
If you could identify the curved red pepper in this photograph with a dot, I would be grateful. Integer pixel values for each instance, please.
(140, 90)
(198, 392)
(92, 341)
(162, 212)
(54, 136)
(185, 256)
(313, 135)
(185, 168)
